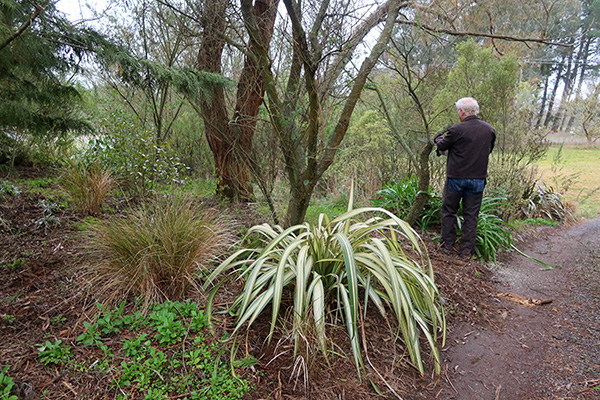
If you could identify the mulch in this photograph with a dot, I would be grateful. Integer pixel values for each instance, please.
(44, 300)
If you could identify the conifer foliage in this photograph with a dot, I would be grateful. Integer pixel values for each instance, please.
(39, 51)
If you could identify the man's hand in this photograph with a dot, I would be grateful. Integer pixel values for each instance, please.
(437, 137)
(440, 133)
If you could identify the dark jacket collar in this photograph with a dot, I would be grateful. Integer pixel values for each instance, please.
(470, 117)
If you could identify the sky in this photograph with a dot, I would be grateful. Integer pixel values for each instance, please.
(78, 10)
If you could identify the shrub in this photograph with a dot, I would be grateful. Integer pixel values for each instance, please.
(158, 251)
(544, 202)
(87, 184)
(134, 155)
(326, 265)
(399, 197)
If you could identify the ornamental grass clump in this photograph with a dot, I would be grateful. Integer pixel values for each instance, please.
(157, 252)
(87, 184)
(326, 266)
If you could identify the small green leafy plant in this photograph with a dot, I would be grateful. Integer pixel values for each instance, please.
(326, 265)
(16, 265)
(49, 219)
(53, 353)
(6, 385)
(8, 189)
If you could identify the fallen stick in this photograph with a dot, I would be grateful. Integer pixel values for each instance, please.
(526, 301)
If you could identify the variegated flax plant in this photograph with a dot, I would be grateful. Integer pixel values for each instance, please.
(327, 265)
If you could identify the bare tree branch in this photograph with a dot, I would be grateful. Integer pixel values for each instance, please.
(348, 48)
(481, 34)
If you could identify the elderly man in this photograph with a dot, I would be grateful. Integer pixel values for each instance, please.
(469, 145)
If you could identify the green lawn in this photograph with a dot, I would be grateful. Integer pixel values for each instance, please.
(578, 170)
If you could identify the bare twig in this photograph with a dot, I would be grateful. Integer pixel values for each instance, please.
(481, 34)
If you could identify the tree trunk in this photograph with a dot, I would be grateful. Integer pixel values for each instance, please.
(583, 60)
(423, 179)
(310, 177)
(231, 140)
(568, 79)
(214, 112)
(306, 156)
(549, 114)
(538, 123)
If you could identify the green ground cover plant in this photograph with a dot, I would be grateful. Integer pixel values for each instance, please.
(6, 385)
(54, 353)
(9, 189)
(164, 354)
(325, 266)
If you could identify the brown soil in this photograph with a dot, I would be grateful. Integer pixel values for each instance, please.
(497, 348)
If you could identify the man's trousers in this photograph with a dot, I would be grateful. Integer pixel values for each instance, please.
(470, 191)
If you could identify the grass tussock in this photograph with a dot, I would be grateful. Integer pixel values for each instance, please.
(158, 252)
(87, 184)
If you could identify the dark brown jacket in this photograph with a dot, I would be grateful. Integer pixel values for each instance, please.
(469, 145)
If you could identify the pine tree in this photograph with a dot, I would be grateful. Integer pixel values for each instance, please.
(39, 53)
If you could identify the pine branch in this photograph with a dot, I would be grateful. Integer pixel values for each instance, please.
(23, 28)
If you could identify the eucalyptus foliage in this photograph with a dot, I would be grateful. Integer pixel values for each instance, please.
(328, 266)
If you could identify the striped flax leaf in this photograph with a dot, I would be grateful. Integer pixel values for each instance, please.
(326, 265)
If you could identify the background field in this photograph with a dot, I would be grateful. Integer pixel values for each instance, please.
(575, 167)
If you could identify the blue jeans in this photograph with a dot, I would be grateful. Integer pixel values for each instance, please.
(466, 187)
(470, 191)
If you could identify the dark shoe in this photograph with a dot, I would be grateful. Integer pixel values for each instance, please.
(445, 250)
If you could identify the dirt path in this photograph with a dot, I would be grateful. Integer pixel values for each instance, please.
(549, 351)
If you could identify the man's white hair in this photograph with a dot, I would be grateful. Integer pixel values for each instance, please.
(468, 105)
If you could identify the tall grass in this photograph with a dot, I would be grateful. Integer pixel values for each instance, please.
(87, 184)
(157, 252)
